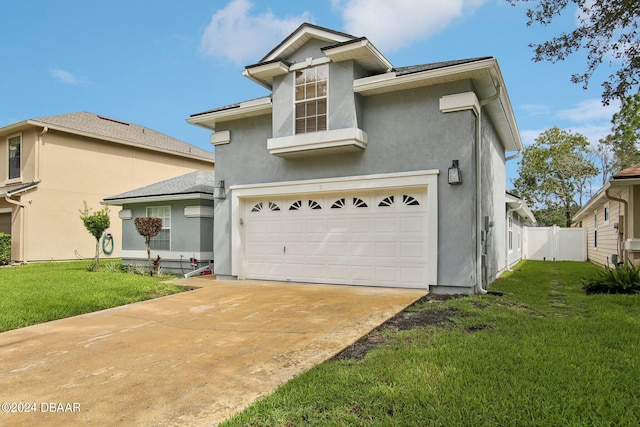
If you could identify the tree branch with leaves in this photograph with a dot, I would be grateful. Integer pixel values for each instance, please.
(553, 175)
(148, 228)
(607, 30)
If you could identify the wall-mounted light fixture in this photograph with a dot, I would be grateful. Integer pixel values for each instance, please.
(455, 176)
(219, 191)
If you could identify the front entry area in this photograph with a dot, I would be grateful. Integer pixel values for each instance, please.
(362, 236)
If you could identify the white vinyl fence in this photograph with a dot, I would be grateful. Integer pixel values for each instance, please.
(555, 243)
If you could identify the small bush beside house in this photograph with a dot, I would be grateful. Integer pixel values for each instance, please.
(622, 279)
(5, 248)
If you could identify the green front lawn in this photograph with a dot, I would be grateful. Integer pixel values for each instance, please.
(41, 292)
(544, 354)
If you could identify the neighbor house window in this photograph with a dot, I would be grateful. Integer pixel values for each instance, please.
(15, 155)
(162, 242)
(510, 233)
(311, 99)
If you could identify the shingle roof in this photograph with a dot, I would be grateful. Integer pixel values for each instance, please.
(104, 127)
(401, 71)
(191, 183)
(630, 172)
(17, 188)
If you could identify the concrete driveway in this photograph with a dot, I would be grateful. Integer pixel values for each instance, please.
(193, 358)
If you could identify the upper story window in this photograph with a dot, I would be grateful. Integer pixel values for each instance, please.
(161, 242)
(15, 155)
(311, 99)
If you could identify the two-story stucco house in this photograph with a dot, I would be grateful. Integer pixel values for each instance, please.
(49, 166)
(353, 171)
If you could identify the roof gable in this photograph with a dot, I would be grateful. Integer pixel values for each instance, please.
(302, 35)
(108, 129)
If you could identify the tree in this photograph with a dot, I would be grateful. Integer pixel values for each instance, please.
(96, 223)
(604, 153)
(148, 227)
(607, 30)
(625, 133)
(554, 171)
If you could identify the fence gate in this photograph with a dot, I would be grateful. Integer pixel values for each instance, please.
(555, 243)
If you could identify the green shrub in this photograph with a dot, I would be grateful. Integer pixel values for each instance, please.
(5, 248)
(623, 279)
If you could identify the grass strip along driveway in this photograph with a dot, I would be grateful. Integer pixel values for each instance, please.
(37, 293)
(542, 354)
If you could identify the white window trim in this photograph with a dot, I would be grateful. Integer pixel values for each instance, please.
(293, 96)
(164, 225)
(606, 216)
(428, 178)
(510, 233)
(18, 179)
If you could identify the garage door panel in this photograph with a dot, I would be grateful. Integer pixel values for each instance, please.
(385, 250)
(386, 225)
(412, 224)
(412, 250)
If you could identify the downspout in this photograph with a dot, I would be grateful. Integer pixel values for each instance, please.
(20, 206)
(626, 219)
(479, 275)
(37, 154)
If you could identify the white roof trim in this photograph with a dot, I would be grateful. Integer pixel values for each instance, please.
(304, 34)
(154, 199)
(256, 107)
(363, 52)
(484, 71)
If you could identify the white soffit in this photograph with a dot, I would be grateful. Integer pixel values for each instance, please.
(256, 107)
(302, 36)
(363, 52)
(263, 74)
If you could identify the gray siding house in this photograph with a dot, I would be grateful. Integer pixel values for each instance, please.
(185, 205)
(518, 216)
(353, 171)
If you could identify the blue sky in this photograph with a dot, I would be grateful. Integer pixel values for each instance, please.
(155, 62)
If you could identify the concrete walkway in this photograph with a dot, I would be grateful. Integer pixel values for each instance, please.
(193, 358)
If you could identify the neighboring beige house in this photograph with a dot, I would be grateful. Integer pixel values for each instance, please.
(50, 165)
(612, 220)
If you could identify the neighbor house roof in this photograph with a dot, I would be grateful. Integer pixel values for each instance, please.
(630, 172)
(13, 189)
(105, 128)
(626, 177)
(194, 185)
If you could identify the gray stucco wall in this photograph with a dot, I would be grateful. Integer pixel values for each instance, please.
(341, 108)
(493, 199)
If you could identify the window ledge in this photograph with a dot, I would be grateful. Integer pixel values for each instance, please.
(324, 142)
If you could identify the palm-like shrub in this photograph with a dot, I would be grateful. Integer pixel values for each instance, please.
(622, 279)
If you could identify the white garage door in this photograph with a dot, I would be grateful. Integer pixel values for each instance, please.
(363, 238)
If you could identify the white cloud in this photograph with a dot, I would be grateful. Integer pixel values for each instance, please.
(237, 35)
(391, 25)
(66, 77)
(535, 109)
(590, 110)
